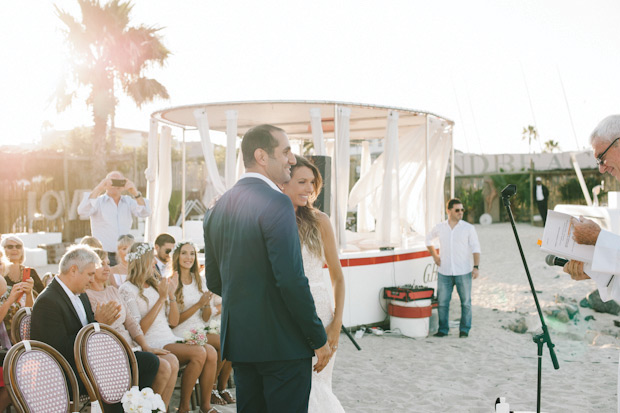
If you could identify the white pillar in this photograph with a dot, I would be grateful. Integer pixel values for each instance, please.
(231, 147)
(151, 175)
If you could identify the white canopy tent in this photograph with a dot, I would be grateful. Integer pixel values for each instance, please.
(345, 124)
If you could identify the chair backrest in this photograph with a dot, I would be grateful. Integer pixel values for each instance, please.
(20, 325)
(105, 362)
(35, 375)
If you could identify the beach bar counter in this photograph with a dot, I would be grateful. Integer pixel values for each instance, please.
(399, 196)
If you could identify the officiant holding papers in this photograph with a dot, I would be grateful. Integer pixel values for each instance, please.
(605, 263)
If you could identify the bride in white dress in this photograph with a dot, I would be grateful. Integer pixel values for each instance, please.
(318, 247)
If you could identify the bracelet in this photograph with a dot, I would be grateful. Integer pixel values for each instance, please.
(172, 301)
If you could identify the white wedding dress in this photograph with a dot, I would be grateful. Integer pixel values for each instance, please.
(322, 399)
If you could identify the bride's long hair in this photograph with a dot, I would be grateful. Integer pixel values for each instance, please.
(307, 216)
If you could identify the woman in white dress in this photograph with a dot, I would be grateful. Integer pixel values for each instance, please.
(194, 301)
(318, 247)
(118, 273)
(154, 306)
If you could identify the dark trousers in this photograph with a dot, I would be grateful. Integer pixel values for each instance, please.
(273, 386)
(542, 208)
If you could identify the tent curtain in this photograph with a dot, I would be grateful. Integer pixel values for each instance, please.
(412, 177)
(341, 169)
(215, 186)
(388, 222)
(231, 147)
(151, 175)
(161, 214)
(317, 131)
(365, 220)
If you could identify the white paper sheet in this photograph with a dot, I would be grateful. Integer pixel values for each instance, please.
(558, 239)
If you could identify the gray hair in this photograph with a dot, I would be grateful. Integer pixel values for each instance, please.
(80, 256)
(14, 238)
(607, 130)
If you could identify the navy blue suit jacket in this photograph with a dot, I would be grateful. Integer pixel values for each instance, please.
(253, 260)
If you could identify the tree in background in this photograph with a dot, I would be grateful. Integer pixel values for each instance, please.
(551, 146)
(531, 134)
(109, 56)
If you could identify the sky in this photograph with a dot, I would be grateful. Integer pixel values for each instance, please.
(493, 67)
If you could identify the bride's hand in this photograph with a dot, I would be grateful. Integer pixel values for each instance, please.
(333, 334)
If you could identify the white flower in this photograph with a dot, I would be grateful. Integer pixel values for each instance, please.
(145, 401)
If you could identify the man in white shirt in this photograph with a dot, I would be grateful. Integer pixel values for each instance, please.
(605, 266)
(458, 243)
(111, 213)
(164, 244)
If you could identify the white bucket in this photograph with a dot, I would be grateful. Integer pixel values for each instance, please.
(410, 327)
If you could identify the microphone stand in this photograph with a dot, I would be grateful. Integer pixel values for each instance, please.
(542, 338)
(357, 346)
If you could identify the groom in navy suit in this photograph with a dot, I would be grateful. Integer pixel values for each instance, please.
(270, 329)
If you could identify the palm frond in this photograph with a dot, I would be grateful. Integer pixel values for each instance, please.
(144, 90)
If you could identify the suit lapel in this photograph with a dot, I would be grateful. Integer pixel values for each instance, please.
(66, 300)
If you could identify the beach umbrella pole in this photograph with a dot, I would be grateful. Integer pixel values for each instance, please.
(542, 338)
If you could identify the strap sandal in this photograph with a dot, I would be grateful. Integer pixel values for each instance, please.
(216, 398)
(227, 396)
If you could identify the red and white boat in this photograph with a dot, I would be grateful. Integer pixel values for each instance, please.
(397, 199)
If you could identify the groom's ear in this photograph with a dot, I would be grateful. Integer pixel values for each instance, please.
(260, 156)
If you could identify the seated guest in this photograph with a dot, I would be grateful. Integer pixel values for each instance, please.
(17, 272)
(118, 273)
(194, 303)
(91, 242)
(7, 299)
(149, 301)
(61, 310)
(98, 294)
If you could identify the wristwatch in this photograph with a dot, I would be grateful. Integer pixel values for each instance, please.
(138, 195)
(477, 267)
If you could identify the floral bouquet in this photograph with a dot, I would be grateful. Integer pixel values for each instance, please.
(214, 326)
(196, 336)
(142, 401)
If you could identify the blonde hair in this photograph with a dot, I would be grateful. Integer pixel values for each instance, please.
(140, 270)
(14, 238)
(307, 215)
(194, 271)
(91, 242)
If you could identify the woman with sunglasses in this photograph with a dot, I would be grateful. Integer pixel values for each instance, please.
(19, 275)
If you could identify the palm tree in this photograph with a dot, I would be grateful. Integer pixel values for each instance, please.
(109, 56)
(551, 146)
(531, 134)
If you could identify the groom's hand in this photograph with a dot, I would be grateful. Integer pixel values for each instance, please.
(323, 354)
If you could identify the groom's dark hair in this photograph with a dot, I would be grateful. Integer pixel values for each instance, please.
(258, 137)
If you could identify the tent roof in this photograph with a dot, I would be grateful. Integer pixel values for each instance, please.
(367, 121)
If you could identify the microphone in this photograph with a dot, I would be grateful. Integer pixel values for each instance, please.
(552, 260)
